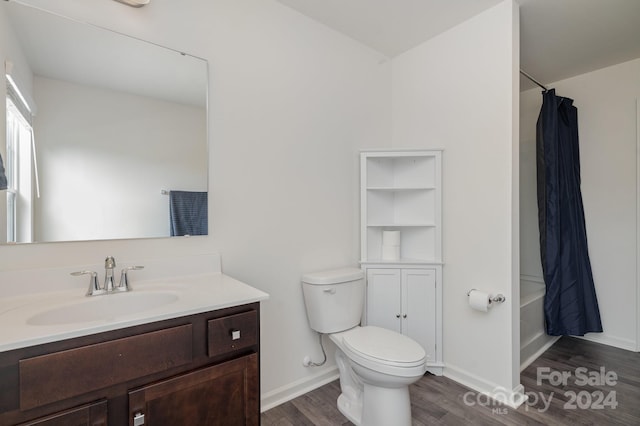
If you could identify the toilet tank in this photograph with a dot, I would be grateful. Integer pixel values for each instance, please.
(334, 299)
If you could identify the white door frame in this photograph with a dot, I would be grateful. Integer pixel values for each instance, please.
(637, 224)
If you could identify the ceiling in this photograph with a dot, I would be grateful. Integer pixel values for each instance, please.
(64, 49)
(558, 38)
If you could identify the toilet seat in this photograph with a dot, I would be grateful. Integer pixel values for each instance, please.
(384, 351)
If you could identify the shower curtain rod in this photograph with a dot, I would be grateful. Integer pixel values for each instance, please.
(534, 80)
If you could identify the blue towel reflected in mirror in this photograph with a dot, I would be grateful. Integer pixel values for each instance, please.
(3, 177)
(188, 213)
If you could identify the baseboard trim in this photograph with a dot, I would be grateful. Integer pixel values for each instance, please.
(534, 278)
(616, 342)
(293, 390)
(512, 398)
(436, 368)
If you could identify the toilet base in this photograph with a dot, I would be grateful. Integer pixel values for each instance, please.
(351, 410)
(386, 406)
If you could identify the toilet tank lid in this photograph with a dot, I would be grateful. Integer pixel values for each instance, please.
(333, 276)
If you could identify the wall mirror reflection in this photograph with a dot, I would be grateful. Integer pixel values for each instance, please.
(106, 134)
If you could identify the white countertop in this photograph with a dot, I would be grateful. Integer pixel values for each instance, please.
(189, 295)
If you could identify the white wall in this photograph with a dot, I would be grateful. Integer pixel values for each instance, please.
(97, 184)
(295, 102)
(291, 103)
(19, 68)
(459, 91)
(606, 102)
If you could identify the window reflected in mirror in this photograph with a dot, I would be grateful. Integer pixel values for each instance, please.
(19, 168)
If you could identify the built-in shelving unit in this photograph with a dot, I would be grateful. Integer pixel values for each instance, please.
(401, 191)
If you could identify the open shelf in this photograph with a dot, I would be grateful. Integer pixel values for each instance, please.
(403, 188)
(402, 170)
(401, 191)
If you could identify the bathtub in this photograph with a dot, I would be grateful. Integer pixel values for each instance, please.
(533, 339)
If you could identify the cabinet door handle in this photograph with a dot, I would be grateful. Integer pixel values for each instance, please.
(404, 316)
(397, 315)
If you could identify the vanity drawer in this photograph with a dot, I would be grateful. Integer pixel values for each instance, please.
(61, 375)
(93, 414)
(231, 333)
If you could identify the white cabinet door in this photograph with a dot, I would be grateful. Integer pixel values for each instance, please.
(419, 308)
(383, 298)
(404, 300)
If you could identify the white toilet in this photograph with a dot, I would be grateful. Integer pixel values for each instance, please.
(376, 365)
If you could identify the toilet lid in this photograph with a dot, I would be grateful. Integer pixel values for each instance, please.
(384, 346)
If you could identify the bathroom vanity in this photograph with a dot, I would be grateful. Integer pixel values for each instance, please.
(192, 361)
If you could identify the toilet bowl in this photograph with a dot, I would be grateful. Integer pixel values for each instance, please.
(383, 364)
(376, 365)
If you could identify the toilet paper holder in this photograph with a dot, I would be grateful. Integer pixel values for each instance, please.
(498, 298)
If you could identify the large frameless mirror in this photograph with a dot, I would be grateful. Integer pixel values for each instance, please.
(106, 134)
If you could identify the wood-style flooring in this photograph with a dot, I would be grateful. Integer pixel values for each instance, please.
(603, 389)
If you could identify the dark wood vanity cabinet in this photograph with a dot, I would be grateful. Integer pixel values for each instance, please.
(219, 395)
(197, 370)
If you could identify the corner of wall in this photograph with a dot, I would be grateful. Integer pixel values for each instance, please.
(515, 195)
(459, 91)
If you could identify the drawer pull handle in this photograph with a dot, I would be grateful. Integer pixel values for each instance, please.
(138, 419)
(235, 334)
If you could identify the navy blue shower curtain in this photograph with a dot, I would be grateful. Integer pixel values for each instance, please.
(570, 304)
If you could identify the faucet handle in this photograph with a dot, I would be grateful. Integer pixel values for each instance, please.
(94, 287)
(124, 278)
(110, 262)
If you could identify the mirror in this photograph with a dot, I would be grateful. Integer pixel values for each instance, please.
(119, 133)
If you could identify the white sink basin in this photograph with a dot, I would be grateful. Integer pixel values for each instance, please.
(102, 308)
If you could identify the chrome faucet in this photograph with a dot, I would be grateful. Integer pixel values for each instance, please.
(109, 286)
(109, 264)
